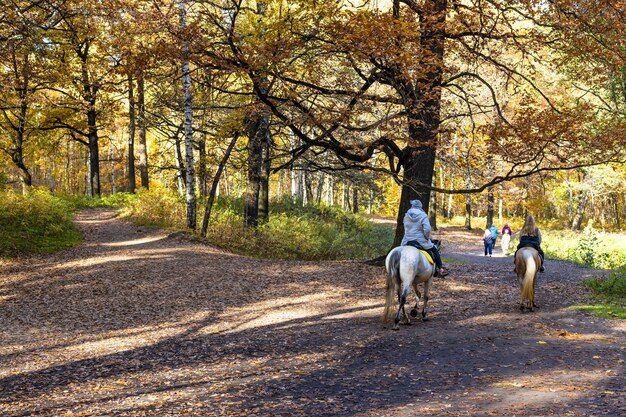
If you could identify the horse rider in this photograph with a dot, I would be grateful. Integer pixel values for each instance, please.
(530, 236)
(417, 233)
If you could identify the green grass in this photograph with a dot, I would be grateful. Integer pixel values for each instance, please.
(454, 261)
(35, 223)
(607, 311)
(609, 294)
(590, 248)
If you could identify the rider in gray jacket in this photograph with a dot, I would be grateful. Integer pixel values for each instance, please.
(417, 233)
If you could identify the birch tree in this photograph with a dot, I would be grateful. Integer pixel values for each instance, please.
(188, 111)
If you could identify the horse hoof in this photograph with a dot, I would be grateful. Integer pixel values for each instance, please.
(425, 319)
(414, 313)
(396, 327)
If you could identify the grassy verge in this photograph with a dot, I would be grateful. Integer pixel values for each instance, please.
(35, 223)
(607, 311)
(609, 293)
(292, 231)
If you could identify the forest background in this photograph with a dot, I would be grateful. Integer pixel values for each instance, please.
(284, 115)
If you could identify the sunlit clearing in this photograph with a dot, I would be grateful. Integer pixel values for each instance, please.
(137, 337)
(136, 241)
(98, 221)
(4, 298)
(524, 389)
(276, 311)
(357, 310)
(461, 287)
(82, 263)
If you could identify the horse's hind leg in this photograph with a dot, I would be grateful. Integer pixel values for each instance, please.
(401, 300)
(417, 301)
(425, 301)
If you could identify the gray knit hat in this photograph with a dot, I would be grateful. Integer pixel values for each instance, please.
(416, 204)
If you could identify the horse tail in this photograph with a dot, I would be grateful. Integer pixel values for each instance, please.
(393, 275)
(528, 287)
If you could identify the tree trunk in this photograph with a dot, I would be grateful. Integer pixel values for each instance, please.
(131, 135)
(180, 167)
(355, 199)
(331, 190)
(214, 185)
(432, 216)
(319, 192)
(490, 201)
(94, 152)
(190, 195)
(143, 147)
(468, 211)
(17, 153)
(570, 209)
(112, 159)
(580, 210)
(307, 189)
(442, 184)
(256, 132)
(294, 184)
(618, 221)
(202, 167)
(90, 91)
(422, 101)
(449, 212)
(500, 204)
(264, 190)
(418, 170)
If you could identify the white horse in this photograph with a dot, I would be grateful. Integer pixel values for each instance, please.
(527, 264)
(406, 266)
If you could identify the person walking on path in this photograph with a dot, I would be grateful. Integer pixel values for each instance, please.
(488, 241)
(506, 238)
(417, 233)
(494, 234)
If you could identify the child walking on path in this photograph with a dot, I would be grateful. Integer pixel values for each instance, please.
(488, 241)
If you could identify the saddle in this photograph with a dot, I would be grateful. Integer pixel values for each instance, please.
(426, 252)
(428, 256)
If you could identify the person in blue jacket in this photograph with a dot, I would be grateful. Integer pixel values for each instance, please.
(494, 235)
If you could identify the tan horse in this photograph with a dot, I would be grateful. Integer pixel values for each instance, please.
(527, 264)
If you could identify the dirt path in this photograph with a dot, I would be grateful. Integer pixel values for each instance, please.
(136, 322)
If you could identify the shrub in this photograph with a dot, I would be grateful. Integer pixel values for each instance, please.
(113, 200)
(591, 248)
(291, 232)
(157, 207)
(35, 222)
(612, 288)
(4, 181)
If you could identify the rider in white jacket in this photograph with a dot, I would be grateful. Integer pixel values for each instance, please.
(417, 233)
